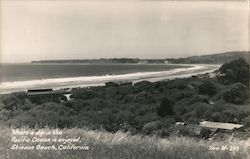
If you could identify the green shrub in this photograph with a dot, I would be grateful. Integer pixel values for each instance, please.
(191, 118)
(150, 127)
(40, 99)
(177, 83)
(48, 114)
(10, 102)
(165, 108)
(124, 116)
(216, 116)
(143, 97)
(207, 88)
(233, 72)
(5, 115)
(199, 99)
(200, 109)
(236, 94)
(246, 121)
(84, 94)
(77, 105)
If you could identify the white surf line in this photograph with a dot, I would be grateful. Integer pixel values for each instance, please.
(86, 81)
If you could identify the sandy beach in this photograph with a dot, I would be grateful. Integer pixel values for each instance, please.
(58, 83)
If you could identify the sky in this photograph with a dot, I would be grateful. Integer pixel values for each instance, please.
(63, 29)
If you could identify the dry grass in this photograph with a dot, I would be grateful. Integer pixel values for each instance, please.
(104, 145)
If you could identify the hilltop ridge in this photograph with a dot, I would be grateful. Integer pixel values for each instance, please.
(218, 58)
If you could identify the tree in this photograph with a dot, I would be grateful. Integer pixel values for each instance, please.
(165, 108)
(233, 72)
(236, 94)
(207, 88)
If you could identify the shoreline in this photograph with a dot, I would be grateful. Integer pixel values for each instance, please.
(88, 81)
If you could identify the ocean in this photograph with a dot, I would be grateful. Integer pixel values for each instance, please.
(20, 77)
(26, 72)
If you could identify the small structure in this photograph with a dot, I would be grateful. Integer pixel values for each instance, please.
(111, 84)
(215, 127)
(218, 125)
(124, 83)
(180, 123)
(206, 129)
(119, 83)
(143, 62)
(166, 62)
(142, 83)
(40, 91)
(67, 96)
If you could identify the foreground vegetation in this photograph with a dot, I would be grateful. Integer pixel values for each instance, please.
(119, 145)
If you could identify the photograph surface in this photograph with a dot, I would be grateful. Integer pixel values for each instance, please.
(114, 79)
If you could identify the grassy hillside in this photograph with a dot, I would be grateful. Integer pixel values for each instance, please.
(219, 58)
(104, 145)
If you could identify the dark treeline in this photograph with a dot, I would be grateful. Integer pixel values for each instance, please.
(144, 107)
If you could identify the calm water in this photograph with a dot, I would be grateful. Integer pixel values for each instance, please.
(26, 72)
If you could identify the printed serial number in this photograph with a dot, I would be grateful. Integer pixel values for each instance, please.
(224, 148)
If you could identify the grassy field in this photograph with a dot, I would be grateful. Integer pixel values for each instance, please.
(104, 145)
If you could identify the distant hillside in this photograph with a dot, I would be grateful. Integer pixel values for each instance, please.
(219, 58)
(93, 61)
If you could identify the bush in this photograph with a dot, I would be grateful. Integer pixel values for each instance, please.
(48, 114)
(77, 105)
(143, 84)
(246, 121)
(233, 72)
(232, 115)
(236, 94)
(165, 108)
(5, 114)
(159, 127)
(10, 102)
(178, 84)
(124, 116)
(200, 109)
(143, 97)
(150, 127)
(199, 99)
(39, 99)
(207, 88)
(216, 116)
(179, 95)
(191, 118)
(84, 94)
